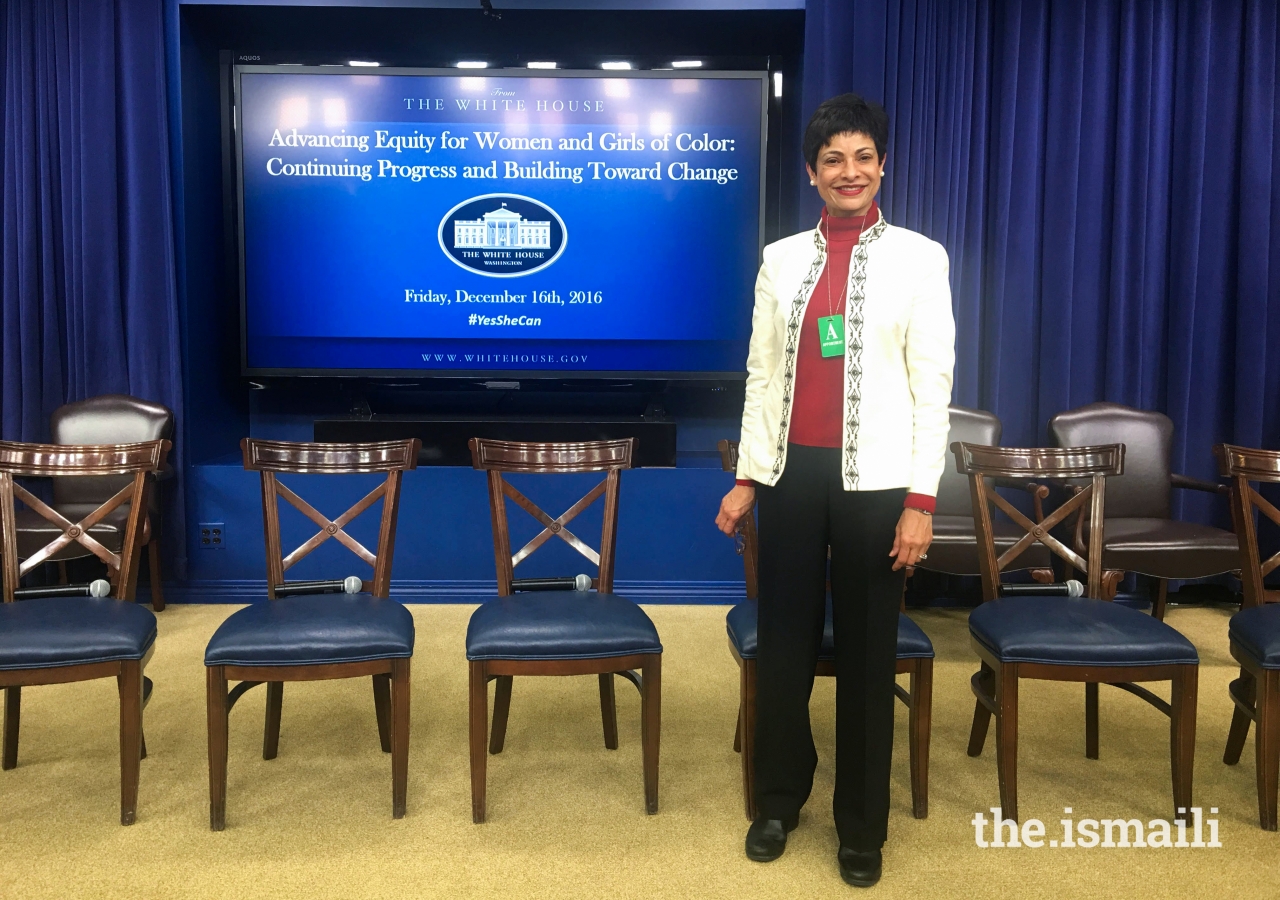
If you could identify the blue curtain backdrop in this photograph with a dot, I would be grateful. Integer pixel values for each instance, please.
(1105, 175)
(89, 302)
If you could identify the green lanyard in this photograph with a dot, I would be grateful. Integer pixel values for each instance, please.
(831, 326)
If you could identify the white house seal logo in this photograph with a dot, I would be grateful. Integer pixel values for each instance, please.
(502, 235)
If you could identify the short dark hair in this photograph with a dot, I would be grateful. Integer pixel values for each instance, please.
(845, 114)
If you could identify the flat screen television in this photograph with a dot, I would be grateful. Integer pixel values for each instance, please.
(511, 223)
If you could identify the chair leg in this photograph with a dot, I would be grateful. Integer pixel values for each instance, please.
(983, 680)
(1182, 736)
(651, 727)
(1246, 689)
(501, 710)
(12, 717)
(1006, 678)
(1091, 720)
(153, 563)
(146, 698)
(608, 712)
(216, 709)
(919, 727)
(62, 572)
(479, 731)
(737, 731)
(129, 684)
(747, 728)
(1267, 746)
(382, 709)
(271, 731)
(399, 688)
(1111, 579)
(1160, 598)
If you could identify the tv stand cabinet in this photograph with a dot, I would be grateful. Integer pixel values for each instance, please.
(444, 436)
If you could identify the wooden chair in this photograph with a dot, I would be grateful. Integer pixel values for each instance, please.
(59, 634)
(558, 630)
(105, 419)
(915, 658)
(1085, 639)
(1255, 630)
(304, 633)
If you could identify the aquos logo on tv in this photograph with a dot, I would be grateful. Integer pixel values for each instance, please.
(503, 235)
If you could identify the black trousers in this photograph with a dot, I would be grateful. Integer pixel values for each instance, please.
(804, 513)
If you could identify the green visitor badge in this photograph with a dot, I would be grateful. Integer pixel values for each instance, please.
(831, 335)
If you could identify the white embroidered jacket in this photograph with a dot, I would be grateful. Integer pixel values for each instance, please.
(898, 363)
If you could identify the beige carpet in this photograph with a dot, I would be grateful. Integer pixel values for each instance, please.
(566, 815)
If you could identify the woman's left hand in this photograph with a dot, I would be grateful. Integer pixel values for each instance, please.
(912, 538)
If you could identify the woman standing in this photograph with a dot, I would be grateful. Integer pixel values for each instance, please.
(844, 435)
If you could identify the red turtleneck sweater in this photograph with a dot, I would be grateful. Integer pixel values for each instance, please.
(817, 410)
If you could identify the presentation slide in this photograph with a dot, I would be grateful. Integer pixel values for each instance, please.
(498, 223)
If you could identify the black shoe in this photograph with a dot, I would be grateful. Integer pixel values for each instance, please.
(860, 868)
(767, 838)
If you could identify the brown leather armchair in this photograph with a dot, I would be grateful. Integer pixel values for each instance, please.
(954, 550)
(1140, 534)
(106, 419)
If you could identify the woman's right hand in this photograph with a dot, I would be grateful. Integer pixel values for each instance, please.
(736, 504)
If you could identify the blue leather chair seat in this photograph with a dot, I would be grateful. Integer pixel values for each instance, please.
(912, 642)
(1256, 631)
(741, 625)
(1076, 631)
(66, 631)
(312, 629)
(560, 625)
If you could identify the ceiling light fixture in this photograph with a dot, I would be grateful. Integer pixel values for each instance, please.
(622, 66)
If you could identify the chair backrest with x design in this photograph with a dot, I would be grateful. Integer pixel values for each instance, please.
(981, 463)
(273, 458)
(497, 458)
(18, 460)
(1243, 465)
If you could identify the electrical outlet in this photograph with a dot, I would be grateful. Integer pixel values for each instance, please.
(213, 536)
